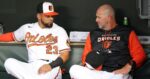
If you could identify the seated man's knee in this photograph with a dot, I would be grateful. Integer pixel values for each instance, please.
(8, 62)
(74, 69)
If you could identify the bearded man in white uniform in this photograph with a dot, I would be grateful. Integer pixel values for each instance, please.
(47, 45)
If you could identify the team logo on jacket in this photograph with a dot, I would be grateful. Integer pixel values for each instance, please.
(107, 39)
(106, 44)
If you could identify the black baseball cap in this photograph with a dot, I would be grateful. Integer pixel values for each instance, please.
(95, 58)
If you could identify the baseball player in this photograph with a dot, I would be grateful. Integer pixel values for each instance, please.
(47, 45)
(111, 51)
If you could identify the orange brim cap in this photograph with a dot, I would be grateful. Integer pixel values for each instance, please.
(51, 13)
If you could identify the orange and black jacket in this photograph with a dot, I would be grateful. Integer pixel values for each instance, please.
(123, 43)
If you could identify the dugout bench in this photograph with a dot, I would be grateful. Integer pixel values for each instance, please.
(18, 51)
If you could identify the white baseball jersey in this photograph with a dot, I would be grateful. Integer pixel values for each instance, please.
(42, 43)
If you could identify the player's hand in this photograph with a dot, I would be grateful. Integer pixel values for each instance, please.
(44, 69)
(125, 70)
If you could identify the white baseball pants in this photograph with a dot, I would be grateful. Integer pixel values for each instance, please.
(22, 70)
(80, 72)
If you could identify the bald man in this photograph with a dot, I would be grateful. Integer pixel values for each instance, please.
(111, 51)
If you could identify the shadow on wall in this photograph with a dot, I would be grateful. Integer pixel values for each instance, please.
(64, 18)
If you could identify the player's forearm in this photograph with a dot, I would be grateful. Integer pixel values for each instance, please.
(64, 55)
(124, 70)
(61, 59)
(7, 37)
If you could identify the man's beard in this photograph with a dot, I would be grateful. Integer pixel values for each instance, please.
(47, 25)
(103, 27)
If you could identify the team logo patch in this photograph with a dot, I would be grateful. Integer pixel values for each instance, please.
(107, 44)
(50, 8)
(107, 39)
